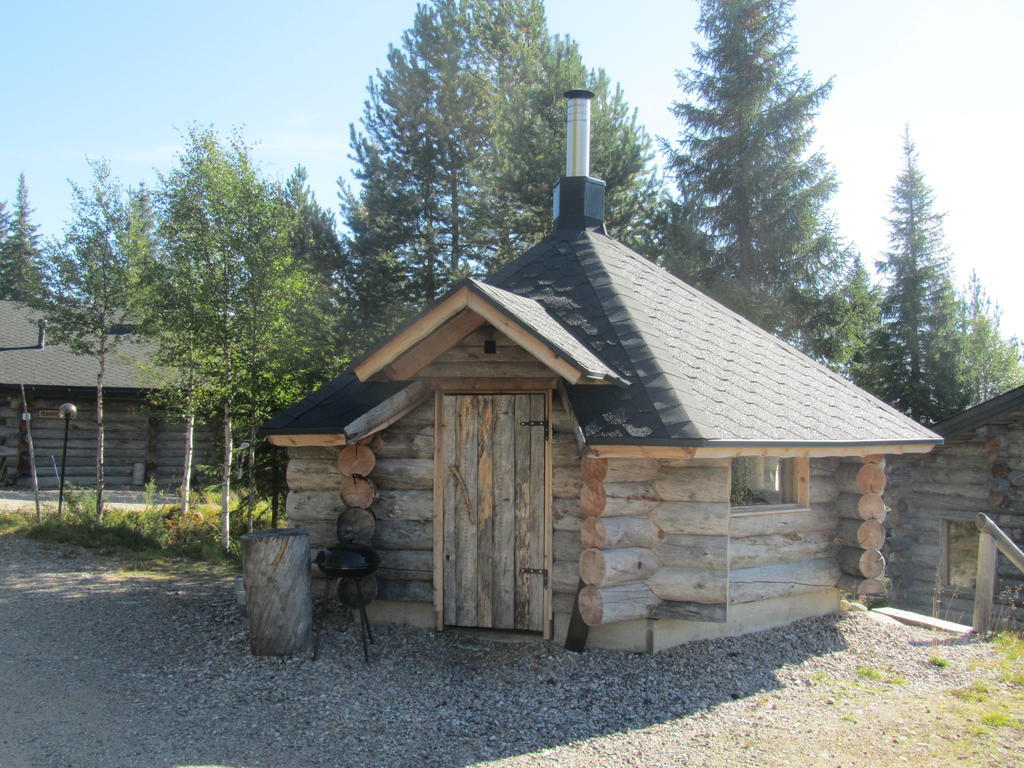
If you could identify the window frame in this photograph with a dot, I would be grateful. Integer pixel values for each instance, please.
(795, 488)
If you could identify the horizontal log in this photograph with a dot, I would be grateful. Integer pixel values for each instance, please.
(693, 483)
(632, 470)
(565, 577)
(408, 560)
(824, 466)
(313, 506)
(674, 609)
(612, 532)
(823, 490)
(405, 591)
(403, 534)
(864, 563)
(701, 552)
(629, 499)
(690, 585)
(852, 585)
(566, 483)
(821, 518)
(869, 506)
(607, 605)
(751, 584)
(326, 453)
(566, 514)
(404, 474)
(609, 567)
(566, 453)
(395, 444)
(780, 548)
(404, 505)
(692, 517)
(867, 534)
(313, 475)
(566, 546)
(860, 478)
(397, 574)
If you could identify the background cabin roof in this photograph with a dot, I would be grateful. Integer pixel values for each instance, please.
(997, 409)
(55, 365)
(693, 372)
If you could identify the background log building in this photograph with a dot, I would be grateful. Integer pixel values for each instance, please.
(140, 444)
(583, 446)
(933, 544)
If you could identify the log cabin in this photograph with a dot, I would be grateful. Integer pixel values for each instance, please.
(583, 447)
(931, 536)
(141, 444)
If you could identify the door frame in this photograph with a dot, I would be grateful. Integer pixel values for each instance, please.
(451, 388)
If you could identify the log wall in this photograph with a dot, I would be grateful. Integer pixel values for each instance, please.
(978, 471)
(138, 445)
(401, 478)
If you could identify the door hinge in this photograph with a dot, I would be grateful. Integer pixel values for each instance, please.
(537, 423)
(542, 571)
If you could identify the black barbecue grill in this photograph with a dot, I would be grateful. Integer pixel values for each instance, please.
(349, 562)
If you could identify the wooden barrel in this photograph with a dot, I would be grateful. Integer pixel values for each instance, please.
(278, 597)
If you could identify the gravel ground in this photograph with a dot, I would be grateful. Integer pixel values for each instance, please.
(104, 667)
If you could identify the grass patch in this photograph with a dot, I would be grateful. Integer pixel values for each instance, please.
(140, 538)
(976, 692)
(938, 661)
(1000, 718)
(868, 673)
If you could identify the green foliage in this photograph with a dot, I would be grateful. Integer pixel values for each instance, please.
(228, 295)
(916, 362)
(751, 226)
(461, 139)
(20, 253)
(992, 364)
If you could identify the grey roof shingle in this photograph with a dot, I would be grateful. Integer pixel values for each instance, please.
(56, 365)
(698, 372)
(692, 372)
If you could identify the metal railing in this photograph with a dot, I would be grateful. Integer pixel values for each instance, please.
(990, 540)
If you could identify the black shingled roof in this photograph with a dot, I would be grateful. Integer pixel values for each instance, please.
(695, 372)
(56, 366)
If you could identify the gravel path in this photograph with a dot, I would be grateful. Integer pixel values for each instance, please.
(103, 667)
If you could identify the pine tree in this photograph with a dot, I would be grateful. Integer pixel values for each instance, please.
(916, 357)
(992, 364)
(461, 140)
(849, 318)
(20, 253)
(753, 193)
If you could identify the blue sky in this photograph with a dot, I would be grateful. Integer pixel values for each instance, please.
(119, 80)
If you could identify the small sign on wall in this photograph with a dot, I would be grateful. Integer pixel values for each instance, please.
(48, 413)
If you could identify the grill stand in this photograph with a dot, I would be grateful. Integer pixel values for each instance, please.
(320, 616)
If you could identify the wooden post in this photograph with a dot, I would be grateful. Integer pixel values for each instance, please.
(985, 583)
(278, 592)
(26, 417)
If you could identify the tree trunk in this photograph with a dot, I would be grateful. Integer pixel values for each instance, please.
(99, 430)
(186, 474)
(251, 456)
(225, 483)
(278, 597)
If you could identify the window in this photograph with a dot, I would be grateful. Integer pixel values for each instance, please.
(960, 553)
(768, 481)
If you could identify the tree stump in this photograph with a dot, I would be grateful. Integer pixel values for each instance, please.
(278, 597)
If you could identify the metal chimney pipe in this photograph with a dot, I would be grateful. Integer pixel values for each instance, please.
(577, 148)
(42, 335)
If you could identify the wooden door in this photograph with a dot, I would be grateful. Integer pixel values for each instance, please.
(493, 509)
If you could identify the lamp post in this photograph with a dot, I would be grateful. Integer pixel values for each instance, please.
(68, 411)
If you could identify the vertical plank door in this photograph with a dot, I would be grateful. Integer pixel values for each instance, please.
(493, 510)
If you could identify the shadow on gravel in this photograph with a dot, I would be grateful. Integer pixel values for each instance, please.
(173, 683)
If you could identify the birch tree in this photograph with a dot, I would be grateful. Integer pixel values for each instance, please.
(90, 277)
